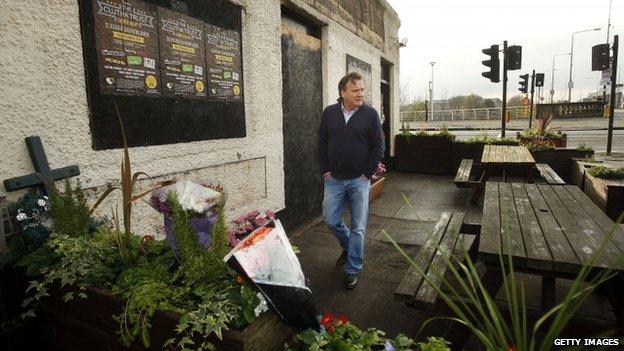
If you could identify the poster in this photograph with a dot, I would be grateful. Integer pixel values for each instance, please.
(223, 64)
(127, 47)
(182, 54)
(365, 69)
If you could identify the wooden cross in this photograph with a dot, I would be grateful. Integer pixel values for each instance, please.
(43, 177)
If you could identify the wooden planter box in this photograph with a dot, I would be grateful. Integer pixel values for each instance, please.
(424, 154)
(376, 189)
(560, 160)
(87, 324)
(606, 193)
(556, 142)
(466, 151)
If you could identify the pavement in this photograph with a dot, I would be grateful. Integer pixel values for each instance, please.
(371, 303)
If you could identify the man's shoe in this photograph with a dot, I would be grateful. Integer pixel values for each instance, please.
(351, 281)
(342, 259)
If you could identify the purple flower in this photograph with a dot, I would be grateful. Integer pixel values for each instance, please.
(260, 221)
(270, 214)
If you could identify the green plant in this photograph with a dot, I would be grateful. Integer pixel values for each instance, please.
(606, 172)
(539, 145)
(70, 213)
(128, 181)
(405, 131)
(339, 334)
(434, 344)
(584, 147)
(443, 131)
(543, 129)
(198, 264)
(476, 309)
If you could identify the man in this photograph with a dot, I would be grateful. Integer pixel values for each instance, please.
(349, 147)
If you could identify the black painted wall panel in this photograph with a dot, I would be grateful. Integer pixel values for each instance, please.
(302, 106)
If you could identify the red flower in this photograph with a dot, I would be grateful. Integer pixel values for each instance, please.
(148, 237)
(343, 319)
(511, 348)
(327, 319)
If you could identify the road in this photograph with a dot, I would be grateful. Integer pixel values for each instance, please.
(579, 130)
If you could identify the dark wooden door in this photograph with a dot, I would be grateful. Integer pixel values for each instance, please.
(302, 108)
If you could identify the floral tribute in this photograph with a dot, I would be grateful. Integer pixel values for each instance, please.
(243, 226)
(200, 203)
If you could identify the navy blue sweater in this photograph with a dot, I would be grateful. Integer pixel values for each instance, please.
(352, 149)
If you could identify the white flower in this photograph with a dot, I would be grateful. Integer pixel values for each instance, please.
(41, 202)
(21, 216)
(45, 197)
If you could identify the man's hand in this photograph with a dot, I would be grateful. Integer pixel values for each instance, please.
(327, 176)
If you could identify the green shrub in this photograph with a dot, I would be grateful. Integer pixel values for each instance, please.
(606, 172)
(69, 211)
(585, 147)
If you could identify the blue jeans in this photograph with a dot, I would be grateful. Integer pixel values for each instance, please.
(355, 192)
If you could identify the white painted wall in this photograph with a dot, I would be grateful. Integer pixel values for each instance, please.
(42, 92)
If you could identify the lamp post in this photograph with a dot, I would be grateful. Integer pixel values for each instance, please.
(552, 78)
(431, 92)
(570, 84)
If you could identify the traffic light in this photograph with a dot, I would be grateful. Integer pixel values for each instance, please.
(493, 63)
(514, 57)
(524, 82)
(539, 79)
(600, 57)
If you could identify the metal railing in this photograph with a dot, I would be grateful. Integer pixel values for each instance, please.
(474, 114)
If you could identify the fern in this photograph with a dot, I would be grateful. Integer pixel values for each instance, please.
(69, 211)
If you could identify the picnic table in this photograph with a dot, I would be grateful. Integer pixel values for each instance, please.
(506, 158)
(552, 231)
(497, 159)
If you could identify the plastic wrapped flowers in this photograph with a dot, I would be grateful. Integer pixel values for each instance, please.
(242, 226)
(200, 201)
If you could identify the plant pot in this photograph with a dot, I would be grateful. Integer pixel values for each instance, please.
(560, 160)
(556, 142)
(87, 324)
(424, 154)
(608, 194)
(376, 188)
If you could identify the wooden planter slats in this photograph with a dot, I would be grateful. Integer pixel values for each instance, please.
(424, 154)
(556, 142)
(606, 193)
(376, 188)
(88, 324)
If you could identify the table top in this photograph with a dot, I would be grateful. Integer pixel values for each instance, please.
(507, 154)
(547, 228)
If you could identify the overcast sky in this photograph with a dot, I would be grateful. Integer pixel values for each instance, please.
(453, 32)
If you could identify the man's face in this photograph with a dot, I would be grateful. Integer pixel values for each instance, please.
(353, 94)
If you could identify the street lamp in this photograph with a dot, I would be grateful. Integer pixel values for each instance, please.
(431, 91)
(570, 84)
(552, 77)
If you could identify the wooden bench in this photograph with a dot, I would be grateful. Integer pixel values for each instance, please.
(445, 238)
(462, 179)
(549, 175)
